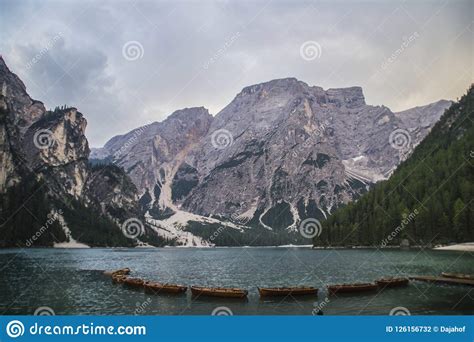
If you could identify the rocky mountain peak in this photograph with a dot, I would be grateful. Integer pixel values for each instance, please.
(13, 92)
(275, 86)
(350, 97)
(279, 152)
(191, 114)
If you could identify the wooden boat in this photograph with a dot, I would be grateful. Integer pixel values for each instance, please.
(458, 275)
(287, 291)
(118, 278)
(133, 282)
(444, 280)
(123, 271)
(156, 288)
(351, 288)
(392, 282)
(218, 292)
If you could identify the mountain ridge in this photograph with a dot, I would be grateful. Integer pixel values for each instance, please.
(279, 153)
(251, 181)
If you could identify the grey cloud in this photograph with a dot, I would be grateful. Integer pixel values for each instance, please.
(179, 38)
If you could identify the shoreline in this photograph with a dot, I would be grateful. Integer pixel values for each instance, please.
(461, 247)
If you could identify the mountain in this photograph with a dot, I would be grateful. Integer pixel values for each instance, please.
(427, 200)
(50, 194)
(419, 120)
(279, 153)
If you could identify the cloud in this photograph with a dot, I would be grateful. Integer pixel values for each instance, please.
(86, 67)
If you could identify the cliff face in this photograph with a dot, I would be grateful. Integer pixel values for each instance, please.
(146, 152)
(17, 112)
(111, 190)
(45, 154)
(39, 141)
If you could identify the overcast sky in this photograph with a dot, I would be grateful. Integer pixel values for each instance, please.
(127, 63)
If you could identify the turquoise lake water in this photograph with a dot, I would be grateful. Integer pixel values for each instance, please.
(70, 281)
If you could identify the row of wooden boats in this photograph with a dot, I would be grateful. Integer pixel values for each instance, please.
(367, 287)
(122, 277)
(457, 276)
(447, 278)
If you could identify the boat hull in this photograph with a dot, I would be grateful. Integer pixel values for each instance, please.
(121, 271)
(280, 291)
(118, 279)
(219, 292)
(458, 276)
(133, 283)
(164, 288)
(398, 282)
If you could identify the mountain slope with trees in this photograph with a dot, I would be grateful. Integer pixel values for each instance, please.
(427, 200)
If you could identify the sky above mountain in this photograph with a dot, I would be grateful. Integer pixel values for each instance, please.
(127, 63)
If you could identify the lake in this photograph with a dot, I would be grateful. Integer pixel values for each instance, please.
(70, 281)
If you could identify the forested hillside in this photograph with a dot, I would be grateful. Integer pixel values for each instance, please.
(427, 200)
